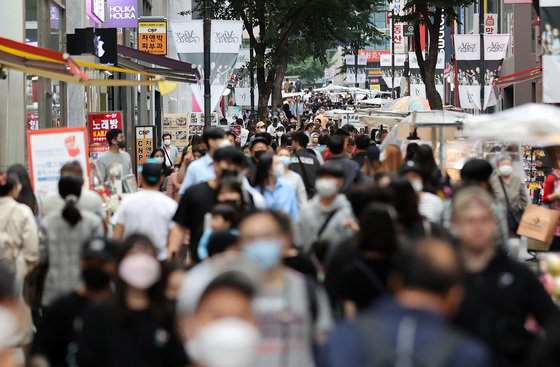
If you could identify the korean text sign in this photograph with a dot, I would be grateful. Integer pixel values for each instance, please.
(49, 150)
(152, 37)
(100, 123)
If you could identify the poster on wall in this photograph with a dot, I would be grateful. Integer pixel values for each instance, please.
(145, 136)
(177, 124)
(233, 113)
(49, 150)
(386, 65)
(550, 22)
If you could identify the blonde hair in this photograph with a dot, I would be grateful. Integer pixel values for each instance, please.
(393, 159)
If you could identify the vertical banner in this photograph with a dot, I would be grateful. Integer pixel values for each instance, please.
(550, 21)
(350, 69)
(225, 43)
(386, 65)
(145, 144)
(467, 52)
(495, 48)
(49, 150)
(417, 87)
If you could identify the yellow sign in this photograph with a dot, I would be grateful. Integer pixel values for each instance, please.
(152, 37)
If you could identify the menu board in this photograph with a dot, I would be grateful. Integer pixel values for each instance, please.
(177, 124)
(49, 150)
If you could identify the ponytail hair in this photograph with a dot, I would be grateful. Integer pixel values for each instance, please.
(7, 182)
(70, 188)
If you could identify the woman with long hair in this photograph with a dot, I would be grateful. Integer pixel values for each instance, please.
(134, 328)
(365, 279)
(19, 251)
(26, 195)
(431, 175)
(61, 237)
(278, 194)
(393, 159)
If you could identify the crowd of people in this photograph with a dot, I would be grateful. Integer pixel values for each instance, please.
(302, 246)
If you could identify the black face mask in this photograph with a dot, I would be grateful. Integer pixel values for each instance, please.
(203, 152)
(229, 173)
(122, 144)
(259, 153)
(95, 278)
(233, 203)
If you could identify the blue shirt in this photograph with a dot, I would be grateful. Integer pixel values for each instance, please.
(205, 239)
(345, 347)
(283, 198)
(201, 170)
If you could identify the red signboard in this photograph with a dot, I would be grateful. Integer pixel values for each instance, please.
(32, 121)
(100, 123)
(373, 55)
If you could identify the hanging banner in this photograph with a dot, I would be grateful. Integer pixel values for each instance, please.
(495, 48)
(224, 48)
(550, 21)
(49, 150)
(417, 87)
(467, 52)
(387, 69)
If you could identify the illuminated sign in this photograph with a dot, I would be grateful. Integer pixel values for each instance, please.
(96, 10)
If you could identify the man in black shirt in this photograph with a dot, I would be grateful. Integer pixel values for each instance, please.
(199, 200)
(304, 162)
(55, 342)
(500, 293)
(362, 145)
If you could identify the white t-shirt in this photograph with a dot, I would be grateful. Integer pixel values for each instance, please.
(431, 207)
(149, 213)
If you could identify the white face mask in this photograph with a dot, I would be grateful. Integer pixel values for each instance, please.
(227, 342)
(505, 170)
(224, 143)
(140, 271)
(167, 142)
(417, 185)
(262, 130)
(8, 329)
(326, 187)
(159, 159)
(278, 170)
(279, 133)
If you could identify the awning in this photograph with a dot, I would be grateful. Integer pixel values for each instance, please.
(522, 76)
(55, 65)
(171, 69)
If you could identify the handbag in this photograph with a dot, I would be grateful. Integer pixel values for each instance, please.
(319, 247)
(513, 216)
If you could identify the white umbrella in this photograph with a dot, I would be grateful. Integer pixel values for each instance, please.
(536, 124)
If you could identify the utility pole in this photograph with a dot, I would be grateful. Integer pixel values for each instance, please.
(482, 64)
(207, 92)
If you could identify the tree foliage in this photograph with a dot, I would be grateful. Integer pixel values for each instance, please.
(430, 13)
(294, 30)
(309, 69)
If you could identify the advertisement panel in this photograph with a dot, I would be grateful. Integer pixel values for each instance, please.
(152, 37)
(99, 123)
(177, 124)
(49, 150)
(145, 144)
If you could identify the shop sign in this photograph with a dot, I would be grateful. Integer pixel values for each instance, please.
(122, 13)
(32, 121)
(491, 23)
(152, 37)
(49, 150)
(100, 123)
(144, 144)
(373, 55)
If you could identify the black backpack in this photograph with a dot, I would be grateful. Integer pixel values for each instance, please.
(381, 352)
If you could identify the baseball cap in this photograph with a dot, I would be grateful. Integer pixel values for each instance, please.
(239, 271)
(476, 170)
(260, 124)
(259, 139)
(99, 247)
(410, 166)
(151, 171)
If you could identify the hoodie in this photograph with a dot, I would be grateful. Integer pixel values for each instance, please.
(312, 217)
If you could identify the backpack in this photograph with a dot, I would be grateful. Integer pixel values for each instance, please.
(8, 246)
(381, 352)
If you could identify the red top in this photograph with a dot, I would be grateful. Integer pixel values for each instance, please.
(548, 188)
